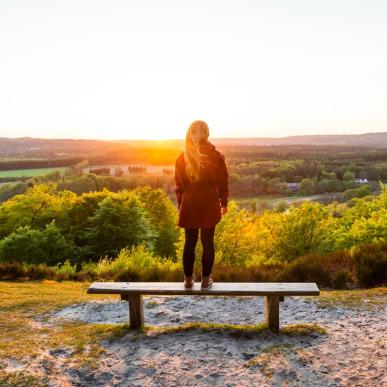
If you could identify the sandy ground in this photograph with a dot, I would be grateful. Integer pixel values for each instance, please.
(352, 353)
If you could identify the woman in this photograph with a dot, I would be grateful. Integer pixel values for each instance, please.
(202, 192)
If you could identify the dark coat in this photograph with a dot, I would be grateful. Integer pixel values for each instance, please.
(199, 202)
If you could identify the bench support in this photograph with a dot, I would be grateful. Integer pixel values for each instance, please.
(272, 313)
(136, 310)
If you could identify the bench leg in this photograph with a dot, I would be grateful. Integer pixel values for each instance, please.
(272, 313)
(136, 311)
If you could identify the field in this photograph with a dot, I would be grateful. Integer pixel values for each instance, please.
(31, 172)
(145, 168)
(272, 200)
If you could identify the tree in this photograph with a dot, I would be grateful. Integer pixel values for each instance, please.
(235, 236)
(117, 223)
(287, 236)
(38, 206)
(363, 223)
(307, 186)
(163, 216)
(36, 246)
(348, 176)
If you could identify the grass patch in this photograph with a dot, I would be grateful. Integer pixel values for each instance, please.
(207, 327)
(151, 304)
(302, 329)
(288, 330)
(84, 339)
(23, 337)
(369, 299)
(31, 172)
(21, 379)
(270, 353)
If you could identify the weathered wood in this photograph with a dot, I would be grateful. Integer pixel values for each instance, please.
(219, 288)
(272, 313)
(136, 311)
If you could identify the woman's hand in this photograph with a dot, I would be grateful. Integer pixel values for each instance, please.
(223, 210)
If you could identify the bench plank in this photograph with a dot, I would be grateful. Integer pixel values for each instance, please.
(219, 288)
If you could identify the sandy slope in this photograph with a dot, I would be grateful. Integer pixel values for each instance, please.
(353, 353)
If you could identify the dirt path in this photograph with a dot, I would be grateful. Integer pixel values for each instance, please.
(353, 352)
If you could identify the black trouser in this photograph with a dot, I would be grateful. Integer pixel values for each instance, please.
(207, 239)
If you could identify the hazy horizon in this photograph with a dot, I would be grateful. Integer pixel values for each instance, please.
(93, 69)
(181, 139)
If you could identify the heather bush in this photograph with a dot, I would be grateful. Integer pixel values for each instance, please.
(371, 265)
(39, 271)
(11, 270)
(308, 268)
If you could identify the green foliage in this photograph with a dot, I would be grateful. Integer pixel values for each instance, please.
(75, 220)
(359, 192)
(96, 223)
(363, 223)
(289, 235)
(163, 216)
(138, 263)
(37, 207)
(235, 237)
(35, 246)
(307, 186)
(119, 221)
(49, 233)
(66, 271)
(348, 176)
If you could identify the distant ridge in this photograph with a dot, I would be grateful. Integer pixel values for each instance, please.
(371, 140)
(368, 140)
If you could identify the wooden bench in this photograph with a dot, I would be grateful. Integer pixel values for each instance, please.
(274, 293)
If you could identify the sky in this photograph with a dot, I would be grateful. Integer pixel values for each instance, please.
(147, 68)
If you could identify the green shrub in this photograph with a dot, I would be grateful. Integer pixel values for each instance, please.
(118, 222)
(66, 271)
(137, 264)
(35, 246)
(163, 216)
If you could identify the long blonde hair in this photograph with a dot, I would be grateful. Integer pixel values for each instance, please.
(197, 133)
